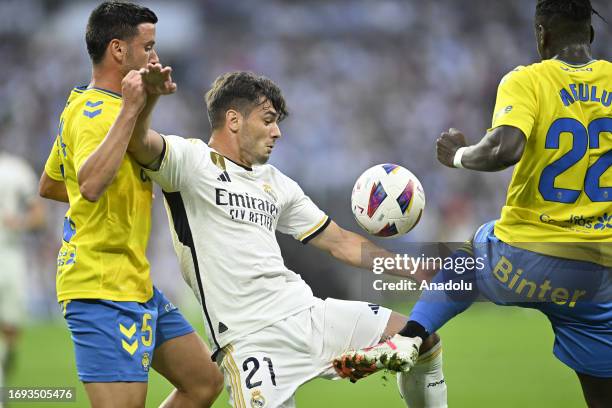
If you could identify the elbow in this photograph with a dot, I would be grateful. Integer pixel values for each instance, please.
(505, 158)
(508, 158)
(45, 189)
(132, 146)
(90, 188)
(89, 192)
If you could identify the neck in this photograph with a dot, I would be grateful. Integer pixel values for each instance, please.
(227, 145)
(109, 79)
(573, 54)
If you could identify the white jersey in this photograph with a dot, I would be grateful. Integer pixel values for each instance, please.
(19, 187)
(223, 219)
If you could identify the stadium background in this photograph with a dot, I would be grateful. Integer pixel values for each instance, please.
(366, 82)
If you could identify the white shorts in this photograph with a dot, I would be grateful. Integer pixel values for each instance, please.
(265, 368)
(12, 290)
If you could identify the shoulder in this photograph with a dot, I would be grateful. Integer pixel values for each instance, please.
(185, 142)
(92, 108)
(273, 172)
(519, 73)
(283, 181)
(186, 148)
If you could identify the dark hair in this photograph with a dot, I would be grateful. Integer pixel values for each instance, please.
(242, 91)
(114, 19)
(568, 20)
(570, 10)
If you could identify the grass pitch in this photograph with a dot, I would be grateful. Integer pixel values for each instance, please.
(493, 357)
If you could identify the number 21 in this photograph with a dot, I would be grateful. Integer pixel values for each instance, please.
(245, 368)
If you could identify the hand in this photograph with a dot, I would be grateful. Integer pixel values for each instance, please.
(133, 91)
(447, 145)
(158, 80)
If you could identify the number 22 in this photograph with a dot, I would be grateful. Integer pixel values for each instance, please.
(583, 139)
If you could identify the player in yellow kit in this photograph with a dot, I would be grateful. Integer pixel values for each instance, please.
(550, 248)
(120, 323)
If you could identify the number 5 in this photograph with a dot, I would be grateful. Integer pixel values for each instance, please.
(146, 329)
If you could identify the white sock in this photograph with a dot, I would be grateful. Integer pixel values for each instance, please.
(424, 385)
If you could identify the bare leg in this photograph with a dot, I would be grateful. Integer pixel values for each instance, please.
(10, 335)
(597, 391)
(117, 394)
(185, 361)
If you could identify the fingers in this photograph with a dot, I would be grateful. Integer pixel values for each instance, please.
(132, 80)
(447, 144)
(453, 131)
(158, 79)
(133, 90)
(154, 67)
(171, 87)
(156, 70)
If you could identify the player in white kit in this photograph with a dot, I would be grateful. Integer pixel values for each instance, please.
(269, 333)
(20, 210)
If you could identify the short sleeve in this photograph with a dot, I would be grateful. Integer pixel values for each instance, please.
(54, 167)
(178, 162)
(516, 103)
(300, 217)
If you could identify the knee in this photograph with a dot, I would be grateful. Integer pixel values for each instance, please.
(207, 391)
(216, 384)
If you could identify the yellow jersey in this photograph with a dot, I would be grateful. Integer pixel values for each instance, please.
(561, 189)
(104, 243)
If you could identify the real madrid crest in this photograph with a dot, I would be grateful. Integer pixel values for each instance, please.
(268, 189)
(257, 400)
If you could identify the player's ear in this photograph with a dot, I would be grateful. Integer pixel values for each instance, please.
(540, 32)
(233, 120)
(117, 49)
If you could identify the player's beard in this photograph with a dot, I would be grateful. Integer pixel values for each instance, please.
(259, 158)
(130, 62)
(264, 156)
(255, 147)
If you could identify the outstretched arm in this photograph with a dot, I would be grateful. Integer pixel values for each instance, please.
(146, 145)
(355, 250)
(500, 148)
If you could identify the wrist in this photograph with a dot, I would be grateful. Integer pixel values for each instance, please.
(130, 111)
(458, 156)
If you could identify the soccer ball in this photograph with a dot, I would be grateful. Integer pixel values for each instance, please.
(387, 200)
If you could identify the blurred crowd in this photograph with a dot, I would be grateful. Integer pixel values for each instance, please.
(366, 82)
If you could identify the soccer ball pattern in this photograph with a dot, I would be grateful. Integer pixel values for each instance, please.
(387, 200)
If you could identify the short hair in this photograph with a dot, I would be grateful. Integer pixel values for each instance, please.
(567, 18)
(114, 20)
(242, 91)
